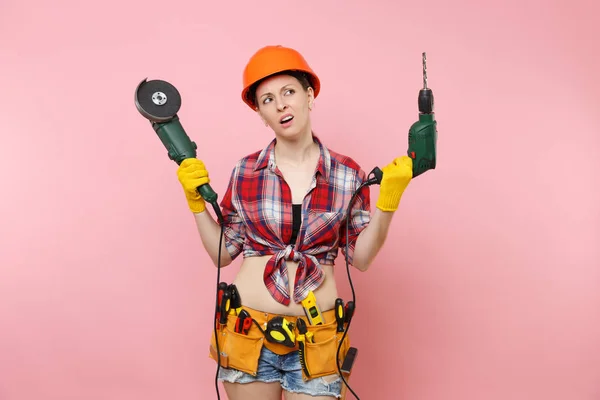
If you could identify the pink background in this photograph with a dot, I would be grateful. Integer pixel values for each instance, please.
(489, 284)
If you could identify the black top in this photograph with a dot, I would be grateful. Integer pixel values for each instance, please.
(297, 219)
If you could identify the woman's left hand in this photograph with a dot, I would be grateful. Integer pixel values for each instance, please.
(396, 177)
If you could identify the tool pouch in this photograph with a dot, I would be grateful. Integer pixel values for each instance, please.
(320, 355)
(238, 351)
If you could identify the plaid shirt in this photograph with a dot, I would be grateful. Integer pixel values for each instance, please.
(257, 209)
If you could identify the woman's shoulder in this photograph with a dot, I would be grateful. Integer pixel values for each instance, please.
(248, 164)
(257, 157)
(342, 160)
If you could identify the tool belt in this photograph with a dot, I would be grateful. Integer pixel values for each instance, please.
(241, 348)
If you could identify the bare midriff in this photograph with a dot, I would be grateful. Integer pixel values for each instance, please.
(254, 294)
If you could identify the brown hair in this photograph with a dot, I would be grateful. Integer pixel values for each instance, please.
(302, 77)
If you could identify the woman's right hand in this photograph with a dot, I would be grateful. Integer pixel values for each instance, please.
(192, 173)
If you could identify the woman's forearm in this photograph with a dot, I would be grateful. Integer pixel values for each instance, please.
(371, 239)
(210, 234)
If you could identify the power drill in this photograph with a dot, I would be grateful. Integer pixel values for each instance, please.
(159, 102)
(422, 135)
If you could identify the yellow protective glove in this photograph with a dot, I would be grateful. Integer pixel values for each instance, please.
(396, 177)
(192, 173)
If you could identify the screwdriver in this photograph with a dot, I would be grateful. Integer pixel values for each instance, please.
(225, 303)
(220, 290)
(339, 314)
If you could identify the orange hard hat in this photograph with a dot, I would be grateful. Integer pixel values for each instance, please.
(270, 60)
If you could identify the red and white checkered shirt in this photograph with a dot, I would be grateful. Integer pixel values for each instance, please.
(257, 209)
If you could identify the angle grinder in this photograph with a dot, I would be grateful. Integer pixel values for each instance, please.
(159, 102)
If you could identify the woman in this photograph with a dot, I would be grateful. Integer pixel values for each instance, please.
(285, 210)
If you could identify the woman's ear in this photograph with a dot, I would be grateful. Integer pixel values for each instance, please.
(311, 97)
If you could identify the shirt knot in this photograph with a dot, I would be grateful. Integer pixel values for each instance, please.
(292, 255)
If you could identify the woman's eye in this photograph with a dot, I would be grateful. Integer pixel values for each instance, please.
(266, 100)
(290, 91)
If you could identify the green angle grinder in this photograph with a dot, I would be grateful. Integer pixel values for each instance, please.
(422, 135)
(159, 102)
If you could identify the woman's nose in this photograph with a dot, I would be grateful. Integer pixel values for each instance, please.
(281, 105)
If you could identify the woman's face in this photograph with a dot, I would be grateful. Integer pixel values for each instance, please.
(284, 105)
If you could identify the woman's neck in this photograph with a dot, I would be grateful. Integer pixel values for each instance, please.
(295, 152)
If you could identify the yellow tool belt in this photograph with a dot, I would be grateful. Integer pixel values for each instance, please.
(242, 352)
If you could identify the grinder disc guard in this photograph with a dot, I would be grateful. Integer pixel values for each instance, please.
(157, 100)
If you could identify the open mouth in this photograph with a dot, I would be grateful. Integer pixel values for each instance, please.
(286, 119)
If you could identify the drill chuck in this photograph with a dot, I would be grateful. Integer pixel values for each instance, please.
(425, 101)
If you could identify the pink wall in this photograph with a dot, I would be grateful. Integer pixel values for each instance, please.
(489, 285)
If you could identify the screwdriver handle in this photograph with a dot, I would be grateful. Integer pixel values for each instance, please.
(225, 304)
(339, 314)
(221, 288)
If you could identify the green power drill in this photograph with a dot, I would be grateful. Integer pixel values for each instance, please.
(159, 102)
(422, 135)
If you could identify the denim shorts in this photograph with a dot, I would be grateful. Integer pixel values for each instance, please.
(287, 370)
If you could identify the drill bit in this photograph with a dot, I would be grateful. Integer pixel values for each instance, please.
(424, 71)
(425, 94)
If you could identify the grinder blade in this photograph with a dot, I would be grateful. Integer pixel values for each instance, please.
(157, 100)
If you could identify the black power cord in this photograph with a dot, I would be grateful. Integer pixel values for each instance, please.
(375, 178)
(222, 225)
